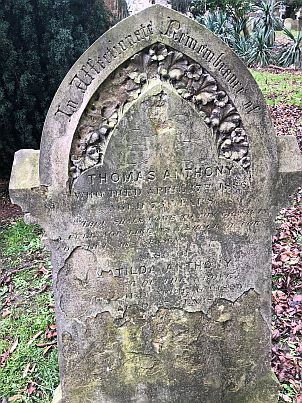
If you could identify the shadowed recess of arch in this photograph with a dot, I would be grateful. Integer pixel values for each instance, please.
(188, 78)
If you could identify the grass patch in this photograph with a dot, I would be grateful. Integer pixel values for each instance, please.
(283, 88)
(20, 238)
(29, 365)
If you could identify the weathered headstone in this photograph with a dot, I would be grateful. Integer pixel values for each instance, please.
(159, 180)
(291, 24)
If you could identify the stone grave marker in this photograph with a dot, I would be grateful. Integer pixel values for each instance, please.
(158, 182)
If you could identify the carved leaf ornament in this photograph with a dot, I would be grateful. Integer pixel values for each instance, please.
(191, 81)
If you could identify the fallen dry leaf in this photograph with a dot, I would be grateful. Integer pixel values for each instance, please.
(14, 346)
(26, 370)
(42, 270)
(287, 300)
(15, 398)
(3, 358)
(286, 398)
(52, 343)
(34, 337)
(51, 308)
(29, 368)
(6, 312)
(46, 349)
(50, 332)
(31, 388)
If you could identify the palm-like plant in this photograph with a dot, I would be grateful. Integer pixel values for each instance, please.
(217, 22)
(230, 31)
(254, 48)
(240, 27)
(267, 19)
(292, 54)
(260, 52)
(242, 47)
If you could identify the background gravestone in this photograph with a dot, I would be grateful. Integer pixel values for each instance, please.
(159, 180)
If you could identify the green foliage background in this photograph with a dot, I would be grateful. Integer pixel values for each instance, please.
(39, 41)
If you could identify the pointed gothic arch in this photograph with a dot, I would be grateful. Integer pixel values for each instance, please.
(178, 35)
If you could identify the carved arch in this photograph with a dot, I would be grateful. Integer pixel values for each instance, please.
(157, 63)
(59, 128)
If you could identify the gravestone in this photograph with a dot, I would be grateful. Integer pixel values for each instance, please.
(159, 179)
(290, 23)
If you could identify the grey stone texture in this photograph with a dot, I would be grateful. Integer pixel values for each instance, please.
(159, 179)
(291, 24)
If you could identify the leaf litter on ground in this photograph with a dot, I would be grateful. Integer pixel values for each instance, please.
(287, 276)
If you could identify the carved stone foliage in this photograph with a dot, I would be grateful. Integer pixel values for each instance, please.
(189, 79)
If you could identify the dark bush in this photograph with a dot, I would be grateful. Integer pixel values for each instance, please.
(39, 41)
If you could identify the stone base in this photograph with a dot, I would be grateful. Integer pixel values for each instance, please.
(57, 396)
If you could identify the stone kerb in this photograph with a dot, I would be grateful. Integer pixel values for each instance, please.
(130, 36)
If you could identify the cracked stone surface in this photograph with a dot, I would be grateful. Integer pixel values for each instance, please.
(159, 180)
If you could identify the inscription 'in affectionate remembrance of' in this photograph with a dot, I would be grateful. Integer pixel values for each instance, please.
(174, 30)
